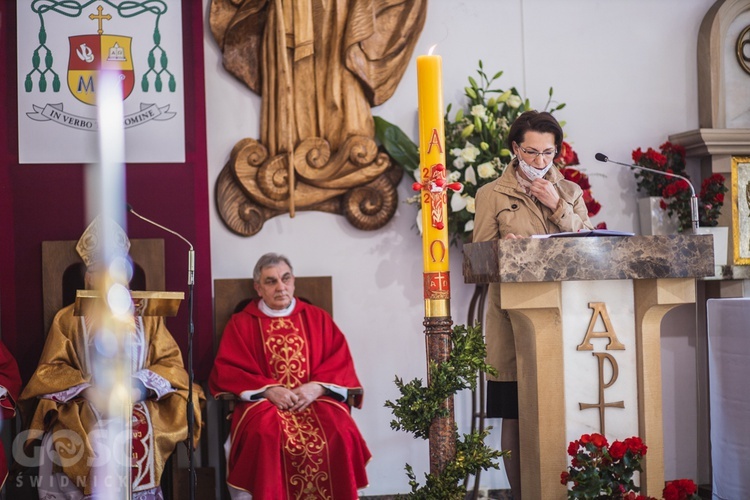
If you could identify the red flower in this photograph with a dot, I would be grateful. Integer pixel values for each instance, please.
(674, 188)
(611, 470)
(668, 147)
(593, 207)
(599, 440)
(617, 450)
(601, 225)
(637, 155)
(573, 175)
(679, 489)
(631, 495)
(635, 445)
(662, 205)
(570, 174)
(716, 179)
(573, 448)
(567, 156)
(719, 198)
(659, 159)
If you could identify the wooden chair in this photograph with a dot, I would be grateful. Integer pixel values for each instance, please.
(63, 270)
(230, 297)
(63, 274)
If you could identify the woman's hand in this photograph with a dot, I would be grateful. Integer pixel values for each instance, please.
(545, 192)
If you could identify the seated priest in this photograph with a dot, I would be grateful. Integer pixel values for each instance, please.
(292, 435)
(59, 396)
(10, 388)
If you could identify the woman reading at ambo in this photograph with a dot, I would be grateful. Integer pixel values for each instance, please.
(530, 197)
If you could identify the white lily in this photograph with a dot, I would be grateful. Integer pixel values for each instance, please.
(470, 176)
(514, 101)
(458, 202)
(486, 170)
(470, 152)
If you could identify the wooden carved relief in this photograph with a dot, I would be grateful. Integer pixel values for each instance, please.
(318, 66)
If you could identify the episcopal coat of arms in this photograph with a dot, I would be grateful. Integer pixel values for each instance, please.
(94, 54)
(140, 42)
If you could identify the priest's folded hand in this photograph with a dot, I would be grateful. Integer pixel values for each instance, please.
(307, 393)
(281, 397)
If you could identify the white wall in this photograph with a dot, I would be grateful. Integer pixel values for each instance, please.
(627, 71)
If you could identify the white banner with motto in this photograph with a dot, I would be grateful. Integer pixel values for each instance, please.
(63, 48)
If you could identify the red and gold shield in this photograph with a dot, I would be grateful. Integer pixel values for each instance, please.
(90, 56)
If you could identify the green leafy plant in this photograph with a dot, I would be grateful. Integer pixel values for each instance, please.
(419, 405)
(711, 199)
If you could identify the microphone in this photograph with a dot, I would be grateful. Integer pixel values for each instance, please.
(191, 252)
(693, 199)
(191, 328)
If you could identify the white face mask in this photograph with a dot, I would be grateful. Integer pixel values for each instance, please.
(531, 172)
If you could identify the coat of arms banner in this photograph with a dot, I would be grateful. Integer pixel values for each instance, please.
(63, 48)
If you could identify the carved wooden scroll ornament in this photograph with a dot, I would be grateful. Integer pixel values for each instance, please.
(318, 65)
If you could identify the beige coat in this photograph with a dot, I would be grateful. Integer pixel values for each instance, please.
(503, 207)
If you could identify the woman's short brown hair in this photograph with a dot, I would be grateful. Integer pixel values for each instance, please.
(538, 122)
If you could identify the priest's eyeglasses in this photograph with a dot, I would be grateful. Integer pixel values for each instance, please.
(547, 154)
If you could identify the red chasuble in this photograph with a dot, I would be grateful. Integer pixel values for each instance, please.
(316, 453)
(11, 380)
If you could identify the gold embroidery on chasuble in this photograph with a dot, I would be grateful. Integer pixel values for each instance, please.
(304, 446)
(306, 460)
(286, 352)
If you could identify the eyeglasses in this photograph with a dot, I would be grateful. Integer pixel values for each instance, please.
(548, 154)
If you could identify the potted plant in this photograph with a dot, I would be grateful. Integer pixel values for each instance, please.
(652, 211)
(668, 211)
(599, 470)
(675, 192)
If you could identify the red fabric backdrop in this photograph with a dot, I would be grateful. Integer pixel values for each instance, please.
(47, 202)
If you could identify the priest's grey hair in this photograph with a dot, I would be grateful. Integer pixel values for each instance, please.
(270, 260)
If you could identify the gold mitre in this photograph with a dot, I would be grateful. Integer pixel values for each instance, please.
(91, 244)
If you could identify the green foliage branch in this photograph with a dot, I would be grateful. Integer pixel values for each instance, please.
(419, 405)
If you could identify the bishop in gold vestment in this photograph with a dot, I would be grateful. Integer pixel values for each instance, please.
(69, 425)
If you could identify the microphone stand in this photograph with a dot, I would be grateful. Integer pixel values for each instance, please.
(191, 329)
(693, 198)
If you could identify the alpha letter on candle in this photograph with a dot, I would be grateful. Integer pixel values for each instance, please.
(435, 139)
